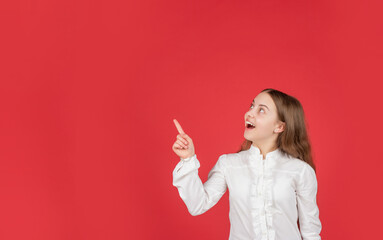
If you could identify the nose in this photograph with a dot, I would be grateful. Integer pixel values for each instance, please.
(249, 114)
(251, 111)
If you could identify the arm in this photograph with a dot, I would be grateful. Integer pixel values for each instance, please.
(308, 211)
(199, 197)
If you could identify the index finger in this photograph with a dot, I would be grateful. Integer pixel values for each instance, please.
(178, 126)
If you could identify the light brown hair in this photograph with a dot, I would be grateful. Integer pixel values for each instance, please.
(294, 140)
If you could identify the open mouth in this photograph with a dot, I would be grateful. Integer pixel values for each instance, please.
(249, 126)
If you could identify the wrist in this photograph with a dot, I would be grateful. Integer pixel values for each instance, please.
(188, 158)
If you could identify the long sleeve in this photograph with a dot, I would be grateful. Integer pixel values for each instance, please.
(308, 211)
(197, 196)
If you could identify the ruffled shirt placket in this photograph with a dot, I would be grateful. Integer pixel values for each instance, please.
(261, 195)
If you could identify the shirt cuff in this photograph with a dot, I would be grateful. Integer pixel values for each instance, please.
(188, 159)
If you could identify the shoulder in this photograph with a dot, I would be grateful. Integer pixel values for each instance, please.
(296, 164)
(295, 161)
(234, 159)
(304, 170)
(304, 174)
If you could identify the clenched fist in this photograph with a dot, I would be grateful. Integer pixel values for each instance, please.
(183, 146)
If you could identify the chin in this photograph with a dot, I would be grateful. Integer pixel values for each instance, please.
(248, 139)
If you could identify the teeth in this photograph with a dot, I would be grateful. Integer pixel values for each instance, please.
(247, 122)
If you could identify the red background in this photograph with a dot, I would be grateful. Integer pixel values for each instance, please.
(89, 90)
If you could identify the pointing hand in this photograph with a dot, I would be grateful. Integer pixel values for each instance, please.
(183, 146)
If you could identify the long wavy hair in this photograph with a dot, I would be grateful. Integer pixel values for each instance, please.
(294, 140)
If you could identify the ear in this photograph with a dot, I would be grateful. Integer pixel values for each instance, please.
(280, 127)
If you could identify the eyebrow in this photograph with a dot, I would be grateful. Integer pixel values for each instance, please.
(263, 105)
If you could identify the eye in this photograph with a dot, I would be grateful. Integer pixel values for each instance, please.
(262, 109)
(251, 106)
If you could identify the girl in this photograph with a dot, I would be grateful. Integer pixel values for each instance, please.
(271, 179)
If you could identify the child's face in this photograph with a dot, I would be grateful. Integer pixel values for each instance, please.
(263, 114)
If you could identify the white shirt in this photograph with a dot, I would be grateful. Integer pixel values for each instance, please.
(266, 195)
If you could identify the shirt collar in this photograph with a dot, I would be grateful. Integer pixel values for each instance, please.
(253, 150)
